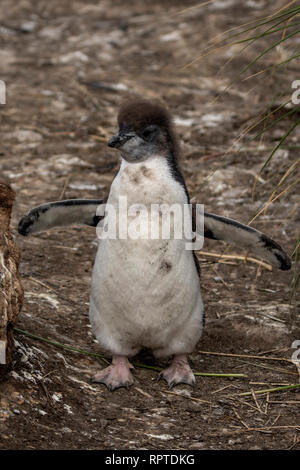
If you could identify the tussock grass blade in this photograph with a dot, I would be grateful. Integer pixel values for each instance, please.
(253, 126)
(280, 143)
(272, 67)
(264, 208)
(273, 124)
(194, 7)
(284, 17)
(296, 277)
(269, 31)
(259, 56)
(58, 345)
(252, 40)
(268, 390)
(103, 356)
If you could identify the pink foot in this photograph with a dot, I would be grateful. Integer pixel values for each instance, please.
(116, 375)
(178, 372)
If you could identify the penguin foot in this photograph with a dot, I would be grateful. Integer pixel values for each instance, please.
(116, 375)
(178, 372)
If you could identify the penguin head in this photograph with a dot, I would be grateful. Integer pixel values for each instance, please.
(145, 130)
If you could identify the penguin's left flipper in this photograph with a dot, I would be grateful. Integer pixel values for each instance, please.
(231, 231)
(61, 214)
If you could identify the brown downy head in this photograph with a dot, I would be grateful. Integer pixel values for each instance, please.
(145, 130)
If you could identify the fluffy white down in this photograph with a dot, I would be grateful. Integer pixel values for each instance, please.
(146, 293)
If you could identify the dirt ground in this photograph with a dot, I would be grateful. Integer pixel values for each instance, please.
(67, 66)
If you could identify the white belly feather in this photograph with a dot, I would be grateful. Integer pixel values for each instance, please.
(146, 293)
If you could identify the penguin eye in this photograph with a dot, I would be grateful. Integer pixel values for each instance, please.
(150, 132)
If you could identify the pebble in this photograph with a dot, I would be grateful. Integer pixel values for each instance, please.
(24, 135)
(28, 26)
(197, 445)
(184, 393)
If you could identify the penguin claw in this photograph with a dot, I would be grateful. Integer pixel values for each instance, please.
(187, 380)
(112, 384)
(114, 376)
(178, 372)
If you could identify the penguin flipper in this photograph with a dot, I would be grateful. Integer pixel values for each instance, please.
(61, 214)
(231, 231)
(91, 211)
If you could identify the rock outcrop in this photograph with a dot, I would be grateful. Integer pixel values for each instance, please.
(11, 290)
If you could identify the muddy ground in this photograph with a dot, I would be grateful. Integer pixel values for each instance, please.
(67, 66)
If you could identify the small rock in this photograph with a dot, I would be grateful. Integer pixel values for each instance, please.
(4, 414)
(194, 407)
(166, 425)
(68, 430)
(72, 57)
(234, 441)
(162, 437)
(28, 26)
(56, 397)
(218, 412)
(68, 409)
(184, 393)
(24, 135)
(197, 445)
(224, 402)
(58, 105)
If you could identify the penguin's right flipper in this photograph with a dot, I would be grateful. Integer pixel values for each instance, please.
(61, 214)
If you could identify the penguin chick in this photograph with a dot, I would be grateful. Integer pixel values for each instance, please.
(146, 293)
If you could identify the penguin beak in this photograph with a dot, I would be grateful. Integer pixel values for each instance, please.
(118, 140)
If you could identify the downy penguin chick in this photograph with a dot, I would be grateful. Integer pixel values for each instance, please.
(145, 293)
